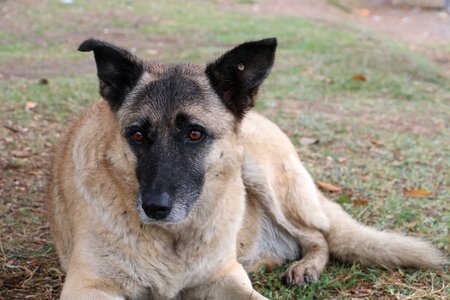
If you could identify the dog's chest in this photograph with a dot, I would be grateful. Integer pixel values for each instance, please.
(159, 268)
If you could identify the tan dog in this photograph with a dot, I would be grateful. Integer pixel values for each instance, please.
(170, 189)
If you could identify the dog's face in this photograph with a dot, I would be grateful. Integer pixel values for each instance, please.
(171, 124)
(174, 116)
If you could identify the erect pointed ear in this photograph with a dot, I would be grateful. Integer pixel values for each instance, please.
(237, 75)
(118, 70)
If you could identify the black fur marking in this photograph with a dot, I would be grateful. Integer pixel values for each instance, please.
(237, 75)
(172, 91)
(118, 70)
(170, 165)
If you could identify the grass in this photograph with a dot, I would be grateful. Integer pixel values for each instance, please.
(376, 137)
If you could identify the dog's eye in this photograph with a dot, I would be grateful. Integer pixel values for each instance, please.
(137, 136)
(194, 135)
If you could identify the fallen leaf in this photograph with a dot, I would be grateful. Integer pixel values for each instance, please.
(342, 159)
(328, 187)
(398, 155)
(291, 110)
(38, 117)
(13, 129)
(359, 77)
(360, 202)
(322, 78)
(318, 77)
(377, 143)
(38, 173)
(21, 154)
(308, 140)
(30, 105)
(415, 193)
(43, 81)
(396, 276)
(411, 225)
(168, 22)
(152, 52)
(362, 12)
(9, 108)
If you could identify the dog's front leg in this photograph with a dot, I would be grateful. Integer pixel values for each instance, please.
(230, 283)
(88, 294)
(81, 285)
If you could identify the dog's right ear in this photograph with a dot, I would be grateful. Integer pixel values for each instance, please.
(118, 70)
(237, 75)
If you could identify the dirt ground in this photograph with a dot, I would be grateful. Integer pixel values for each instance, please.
(416, 26)
(421, 29)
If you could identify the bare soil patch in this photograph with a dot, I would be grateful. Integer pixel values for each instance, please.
(412, 25)
(423, 30)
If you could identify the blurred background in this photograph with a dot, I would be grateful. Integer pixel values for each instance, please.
(361, 87)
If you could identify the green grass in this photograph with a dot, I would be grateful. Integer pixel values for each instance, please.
(376, 137)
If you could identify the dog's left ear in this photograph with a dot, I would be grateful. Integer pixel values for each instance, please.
(237, 75)
(118, 70)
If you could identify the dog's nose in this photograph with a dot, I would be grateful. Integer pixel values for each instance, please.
(157, 206)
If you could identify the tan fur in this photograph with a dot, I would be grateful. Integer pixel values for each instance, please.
(352, 241)
(106, 251)
(258, 205)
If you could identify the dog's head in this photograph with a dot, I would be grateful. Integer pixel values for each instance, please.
(176, 119)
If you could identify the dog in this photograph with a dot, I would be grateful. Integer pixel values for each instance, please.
(170, 188)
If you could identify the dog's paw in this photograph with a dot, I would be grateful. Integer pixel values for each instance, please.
(299, 274)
